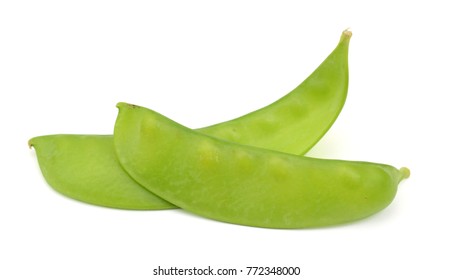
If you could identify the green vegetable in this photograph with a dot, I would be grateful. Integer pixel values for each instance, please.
(297, 121)
(246, 185)
(84, 167)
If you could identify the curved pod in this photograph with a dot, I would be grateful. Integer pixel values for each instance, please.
(245, 185)
(298, 120)
(84, 167)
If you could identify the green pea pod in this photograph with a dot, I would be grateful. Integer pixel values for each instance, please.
(84, 167)
(246, 185)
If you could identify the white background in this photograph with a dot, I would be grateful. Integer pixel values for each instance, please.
(65, 64)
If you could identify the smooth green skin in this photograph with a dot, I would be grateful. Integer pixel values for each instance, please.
(246, 185)
(84, 167)
(297, 121)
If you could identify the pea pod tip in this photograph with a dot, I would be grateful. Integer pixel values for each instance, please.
(405, 172)
(120, 105)
(30, 143)
(346, 34)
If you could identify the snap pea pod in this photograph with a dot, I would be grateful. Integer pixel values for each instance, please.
(84, 167)
(245, 185)
(294, 123)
